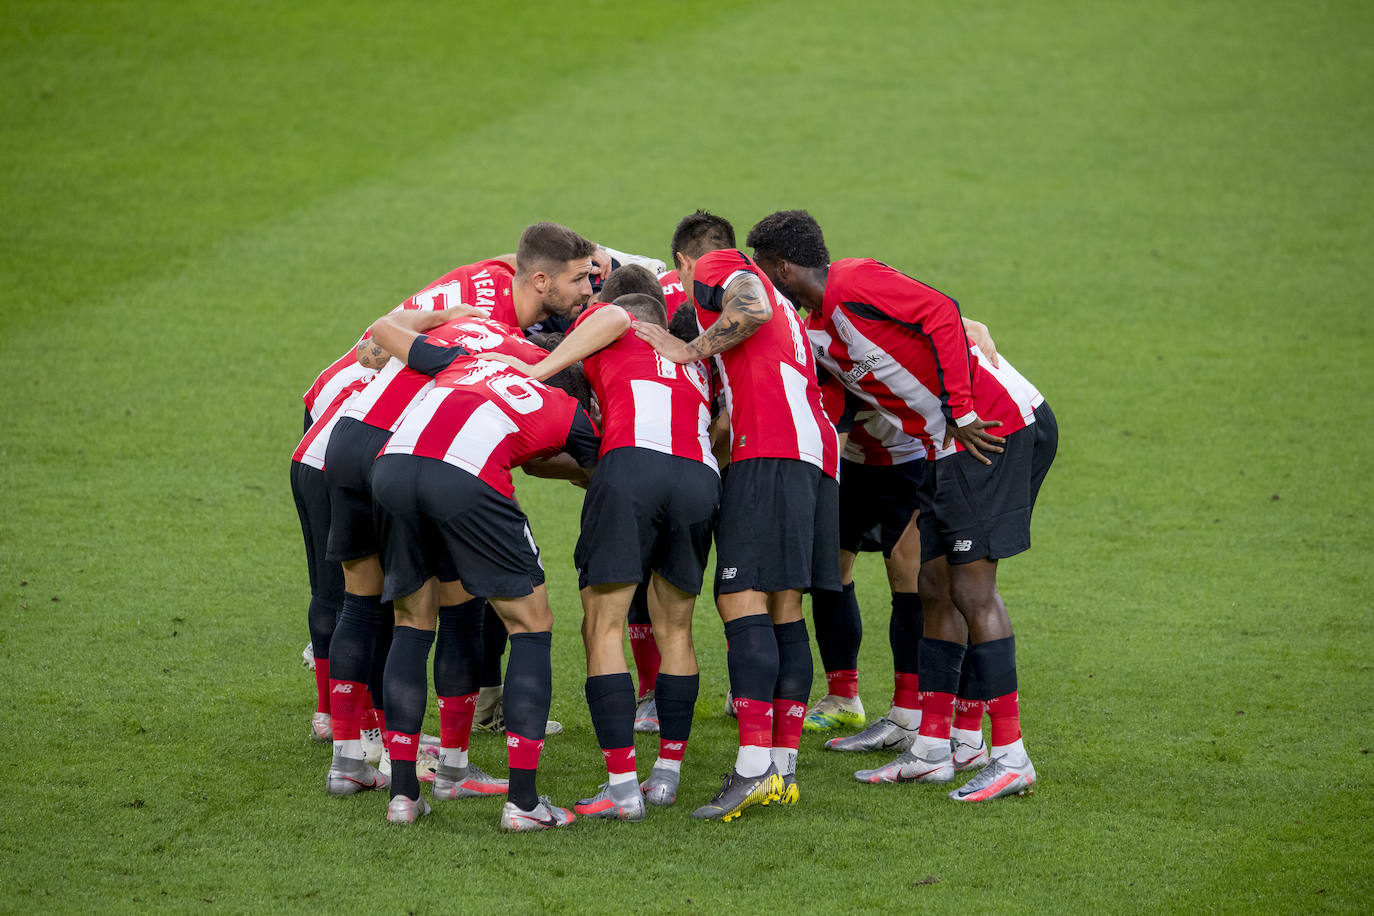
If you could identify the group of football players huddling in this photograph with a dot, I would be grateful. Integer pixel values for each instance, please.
(695, 406)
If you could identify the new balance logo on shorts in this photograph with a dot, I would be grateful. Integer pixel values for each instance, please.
(729, 572)
(963, 546)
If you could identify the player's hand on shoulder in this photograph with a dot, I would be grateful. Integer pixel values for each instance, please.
(664, 342)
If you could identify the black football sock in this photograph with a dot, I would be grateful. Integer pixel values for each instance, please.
(355, 638)
(406, 689)
(493, 647)
(611, 699)
(904, 631)
(839, 628)
(795, 670)
(527, 695)
(458, 649)
(676, 695)
(752, 657)
(379, 656)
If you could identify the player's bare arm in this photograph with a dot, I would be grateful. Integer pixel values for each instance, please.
(393, 333)
(601, 329)
(745, 309)
(977, 332)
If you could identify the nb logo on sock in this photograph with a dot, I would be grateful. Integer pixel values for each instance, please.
(343, 688)
(402, 739)
(672, 745)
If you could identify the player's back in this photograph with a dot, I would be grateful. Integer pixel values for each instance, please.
(648, 401)
(485, 417)
(769, 378)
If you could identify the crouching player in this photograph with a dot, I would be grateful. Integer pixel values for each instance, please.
(443, 483)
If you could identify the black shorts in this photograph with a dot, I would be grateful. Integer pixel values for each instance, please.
(438, 520)
(353, 448)
(876, 503)
(311, 494)
(778, 528)
(972, 511)
(647, 511)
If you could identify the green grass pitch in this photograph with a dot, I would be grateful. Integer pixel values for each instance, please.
(1163, 211)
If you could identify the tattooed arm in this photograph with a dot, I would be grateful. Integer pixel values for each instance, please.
(744, 310)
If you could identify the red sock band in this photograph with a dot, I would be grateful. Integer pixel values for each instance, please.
(755, 722)
(937, 714)
(367, 718)
(671, 750)
(455, 720)
(1006, 719)
(619, 759)
(403, 747)
(321, 685)
(523, 753)
(968, 714)
(842, 683)
(906, 693)
(644, 648)
(345, 702)
(788, 716)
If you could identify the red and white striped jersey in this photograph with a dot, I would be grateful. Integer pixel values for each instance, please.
(673, 293)
(900, 345)
(315, 442)
(769, 378)
(396, 387)
(485, 418)
(486, 285)
(648, 401)
(876, 441)
(344, 372)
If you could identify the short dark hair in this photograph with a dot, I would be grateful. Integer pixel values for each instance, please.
(644, 307)
(548, 247)
(683, 325)
(701, 232)
(793, 235)
(631, 278)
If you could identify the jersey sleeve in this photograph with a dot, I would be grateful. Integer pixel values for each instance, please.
(889, 295)
(431, 355)
(714, 271)
(583, 442)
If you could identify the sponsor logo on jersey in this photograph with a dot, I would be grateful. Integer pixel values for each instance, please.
(729, 572)
(862, 367)
(963, 546)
